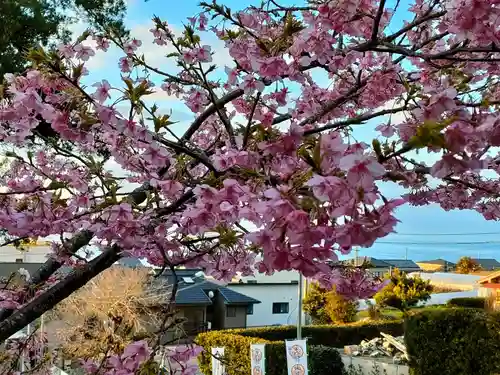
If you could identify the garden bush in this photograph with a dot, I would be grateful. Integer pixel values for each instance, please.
(453, 342)
(474, 302)
(321, 359)
(236, 352)
(329, 335)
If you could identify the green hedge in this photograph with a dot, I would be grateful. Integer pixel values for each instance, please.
(321, 359)
(327, 335)
(453, 342)
(236, 352)
(474, 302)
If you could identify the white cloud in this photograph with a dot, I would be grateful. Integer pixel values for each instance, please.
(396, 118)
(161, 95)
(154, 54)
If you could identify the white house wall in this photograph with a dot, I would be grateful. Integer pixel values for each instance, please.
(269, 294)
(32, 254)
(277, 277)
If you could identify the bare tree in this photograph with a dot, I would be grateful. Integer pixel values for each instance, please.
(108, 313)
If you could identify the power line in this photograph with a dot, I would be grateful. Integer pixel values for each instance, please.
(437, 243)
(446, 234)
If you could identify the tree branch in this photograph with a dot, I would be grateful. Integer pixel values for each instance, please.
(376, 22)
(75, 280)
(355, 120)
(209, 111)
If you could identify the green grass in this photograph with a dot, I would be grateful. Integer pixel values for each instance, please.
(387, 313)
(390, 313)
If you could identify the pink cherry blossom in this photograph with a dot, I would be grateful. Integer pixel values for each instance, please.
(125, 65)
(203, 54)
(83, 52)
(66, 50)
(361, 169)
(387, 130)
(102, 91)
(132, 46)
(272, 169)
(250, 84)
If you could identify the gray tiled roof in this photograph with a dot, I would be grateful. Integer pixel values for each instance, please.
(130, 262)
(402, 263)
(374, 262)
(6, 269)
(488, 264)
(197, 293)
(193, 295)
(386, 263)
(233, 297)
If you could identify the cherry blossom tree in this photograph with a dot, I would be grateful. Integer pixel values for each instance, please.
(269, 173)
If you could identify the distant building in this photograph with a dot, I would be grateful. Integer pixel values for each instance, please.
(204, 303)
(35, 253)
(436, 265)
(278, 294)
(379, 267)
(487, 264)
(489, 286)
(130, 262)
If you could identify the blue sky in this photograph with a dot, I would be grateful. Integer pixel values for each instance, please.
(420, 223)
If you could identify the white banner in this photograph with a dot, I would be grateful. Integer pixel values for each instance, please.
(258, 359)
(296, 357)
(218, 367)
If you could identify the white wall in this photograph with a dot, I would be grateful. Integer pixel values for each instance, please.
(32, 254)
(268, 294)
(277, 277)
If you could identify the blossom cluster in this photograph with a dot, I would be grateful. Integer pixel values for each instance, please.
(269, 175)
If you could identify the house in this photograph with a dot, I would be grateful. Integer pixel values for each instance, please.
(31, 253)
(404, 265)
(379, 267)
(487, 264)
(130, 262)
(204, 303)
(278, 294)
(490, 286)
(436, 265)
(8, 268)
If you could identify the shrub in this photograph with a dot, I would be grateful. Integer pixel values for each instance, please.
(321, 359)
(374, 312)
(453, 342)
(404, 291)
(327, 306)
(314, 304)
(474, 302)
(328, 335)
(340, 309)
(236, 352)
(467, 265)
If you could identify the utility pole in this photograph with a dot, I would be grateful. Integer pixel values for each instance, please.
(299, 310)
(406, 254)
(42, 347)
(356, 253)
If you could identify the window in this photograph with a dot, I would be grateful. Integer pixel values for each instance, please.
(19, 260)
(252, 282)
(280, 308)
(250, 310)
(231, 312)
